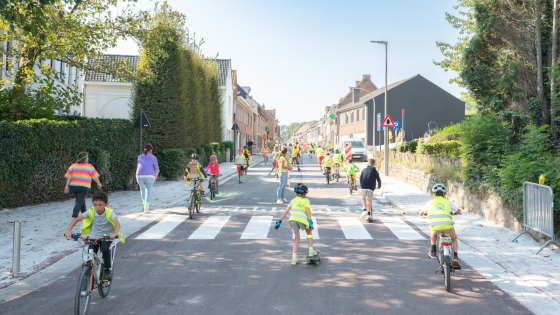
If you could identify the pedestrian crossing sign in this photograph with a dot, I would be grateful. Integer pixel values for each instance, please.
(388, 122)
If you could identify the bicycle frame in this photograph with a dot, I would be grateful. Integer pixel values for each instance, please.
(94, 260)
(444, 250)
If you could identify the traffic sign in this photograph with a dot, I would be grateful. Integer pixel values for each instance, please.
(396, 125)
(388, 122)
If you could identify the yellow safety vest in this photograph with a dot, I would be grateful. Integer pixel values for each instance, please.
(439, 214)
(288, 164)
(337, 158)
(86, 222)
(265, 150)
(297, 212)
(242, 159)
(328, 162)
(320, 152)
(294, 151)
(329, 146)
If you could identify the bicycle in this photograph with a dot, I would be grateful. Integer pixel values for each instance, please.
(212, 186)
(91, 276)
(328, 175)
(265, 158)
(246, 165)
(195, 198)
(352, 184)
(445, 258)
(336, 172)
(240, 172)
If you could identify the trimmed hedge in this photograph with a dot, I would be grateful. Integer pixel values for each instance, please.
(408, 146)
(37, 153)
(172, 162)
(446, 149)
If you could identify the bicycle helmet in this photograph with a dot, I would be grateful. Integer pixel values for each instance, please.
(439, 188)
(213, 157)
(194, 156)
(240, 150)
(301, 188)
(336, 151)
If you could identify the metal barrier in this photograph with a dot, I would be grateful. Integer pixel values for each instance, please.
(538, 212)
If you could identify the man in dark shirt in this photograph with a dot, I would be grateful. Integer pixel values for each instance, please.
(250, 144)
(368, 177)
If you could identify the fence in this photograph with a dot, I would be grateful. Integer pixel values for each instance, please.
(426, 159)
(538, 212)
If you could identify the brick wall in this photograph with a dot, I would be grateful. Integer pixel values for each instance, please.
(351, 128)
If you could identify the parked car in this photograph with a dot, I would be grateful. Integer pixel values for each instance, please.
(358, 151)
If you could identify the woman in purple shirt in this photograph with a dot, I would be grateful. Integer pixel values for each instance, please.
(147, 171)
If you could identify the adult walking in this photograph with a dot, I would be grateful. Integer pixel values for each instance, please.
(283, 168)
(147, 171)
(368, 178)
(78, 182)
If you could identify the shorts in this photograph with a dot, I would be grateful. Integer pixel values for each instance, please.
(451, 232)
(295, 160)
(240, 167)
(296, 226)
(367, 193)
(327, 168)
(321, 158)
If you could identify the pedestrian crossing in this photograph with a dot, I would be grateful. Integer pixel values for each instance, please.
(259, 227)
(281, 208)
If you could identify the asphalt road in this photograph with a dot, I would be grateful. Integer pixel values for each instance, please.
(228, 274)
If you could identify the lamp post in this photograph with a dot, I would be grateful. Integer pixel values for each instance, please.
(367, 114)
(386, 137)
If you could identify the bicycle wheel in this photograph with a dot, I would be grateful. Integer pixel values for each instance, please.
(198, 205)
(191, 206)
(83, 296)
(447, 277)
(351, 186)
(212, 187)
(328, 177)
(105, 286)
(239, 177)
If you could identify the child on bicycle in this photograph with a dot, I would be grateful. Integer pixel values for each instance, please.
(240, 161)
(195, 171)
(213, 169)
(337, 158)
(439, 211)
(320, 156)
(247, 155)
(350, 168)
(328, 163)
(97, 222)
(300, 219)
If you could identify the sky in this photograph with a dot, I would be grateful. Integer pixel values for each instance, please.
(299, 56)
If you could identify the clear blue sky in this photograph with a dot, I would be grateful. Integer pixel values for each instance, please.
(299, 56)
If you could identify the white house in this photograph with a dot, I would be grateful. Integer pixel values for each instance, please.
(65, 74)
(226, 88)
(105, 96)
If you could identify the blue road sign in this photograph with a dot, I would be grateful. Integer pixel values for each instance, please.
(378, 121)
(396, 126)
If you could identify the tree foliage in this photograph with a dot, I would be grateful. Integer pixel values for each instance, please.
(68, 31)
(179, 89)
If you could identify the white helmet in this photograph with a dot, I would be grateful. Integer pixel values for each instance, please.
(439, 188)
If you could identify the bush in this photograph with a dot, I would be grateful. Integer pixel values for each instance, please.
(37, 153)
(409, 146)
(448, 133)
(172, 162)
(446, 149)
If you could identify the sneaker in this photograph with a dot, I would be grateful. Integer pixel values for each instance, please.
(456, 264)
(285, 200)
(107, 275)
(279, 201)
(217, 192)
(364, 214)
(312, 253)
(294, 261)
(432, 255)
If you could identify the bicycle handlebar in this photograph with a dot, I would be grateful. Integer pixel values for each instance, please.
(88, 240)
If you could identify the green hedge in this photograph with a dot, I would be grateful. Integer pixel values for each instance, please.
(409, 146)
(172, 162)
(446, 149)
(37, 153)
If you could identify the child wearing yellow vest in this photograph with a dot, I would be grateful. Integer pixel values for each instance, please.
(98, 221)
(300, 219)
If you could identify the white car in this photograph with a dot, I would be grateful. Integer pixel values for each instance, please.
(358, 151)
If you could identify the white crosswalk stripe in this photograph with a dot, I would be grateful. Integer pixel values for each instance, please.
(401, 230)
(353, 229)
(162, 228)
(210, 228)
(257, 228)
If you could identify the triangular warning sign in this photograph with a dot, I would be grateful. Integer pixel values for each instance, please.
(388, 122)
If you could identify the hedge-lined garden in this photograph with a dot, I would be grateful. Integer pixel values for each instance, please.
(36, 154)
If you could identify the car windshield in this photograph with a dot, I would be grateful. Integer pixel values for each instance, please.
(357, 144)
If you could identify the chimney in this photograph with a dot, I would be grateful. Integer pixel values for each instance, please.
(357, 83)
(366, 77)
(356, 95)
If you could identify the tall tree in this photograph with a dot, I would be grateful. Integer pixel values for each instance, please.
(540, 72)
(553, 67)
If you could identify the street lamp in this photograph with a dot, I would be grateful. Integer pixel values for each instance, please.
(367, 114)
(386, 138)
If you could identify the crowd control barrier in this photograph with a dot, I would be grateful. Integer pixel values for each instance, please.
(538, 212)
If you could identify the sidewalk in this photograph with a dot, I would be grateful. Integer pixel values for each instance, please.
(534, 280)
(43, 244)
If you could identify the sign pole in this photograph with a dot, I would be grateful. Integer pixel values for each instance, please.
(140, 130)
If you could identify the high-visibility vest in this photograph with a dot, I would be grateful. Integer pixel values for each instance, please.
(439, 214)
(294, 151)
(320, 152)
(329, 146)
(240, 158)
(297, 213)
(337, 158)
(288, 164)
(265, 150)
(328, 162)
(86, 222)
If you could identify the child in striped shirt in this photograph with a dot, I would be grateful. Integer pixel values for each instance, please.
(78, 181)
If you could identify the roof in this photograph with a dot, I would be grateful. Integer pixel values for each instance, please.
(375, 93)
(224, 66)
(105, 60)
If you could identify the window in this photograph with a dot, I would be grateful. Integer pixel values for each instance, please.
(346, 118)
(52, 64)
(61, 70)
(364, 113)
(352, 117)
(357, 115)
(70, 75)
